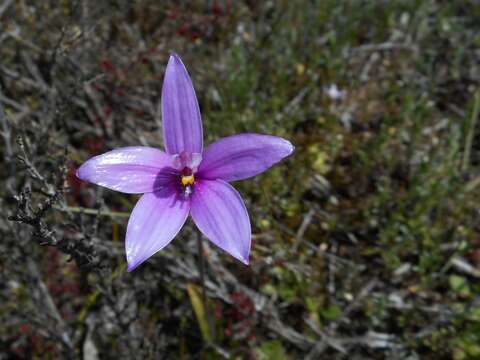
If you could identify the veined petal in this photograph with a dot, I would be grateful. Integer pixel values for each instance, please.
(155, 221)
(220, 214)
(182, 124)
(132, 170)
(242, 156)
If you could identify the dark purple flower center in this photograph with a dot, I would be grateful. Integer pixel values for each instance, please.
(187, 178)
(187, 163)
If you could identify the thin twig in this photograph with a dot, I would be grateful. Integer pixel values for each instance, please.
(49, 304)
(6, 133)
(307, 219)
(386, 46)
(5, 6)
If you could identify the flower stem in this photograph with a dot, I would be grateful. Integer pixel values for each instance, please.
(201, 264)
(471, 131)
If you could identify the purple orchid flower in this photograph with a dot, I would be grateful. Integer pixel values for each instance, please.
(186, 179)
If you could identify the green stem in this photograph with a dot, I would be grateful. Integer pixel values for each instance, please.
(471, 131)
(201, 264)
(88, 211)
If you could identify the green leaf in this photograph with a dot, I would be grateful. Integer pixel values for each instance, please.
(271, 350)
(200, 313)
(332, 312)
(459, 284)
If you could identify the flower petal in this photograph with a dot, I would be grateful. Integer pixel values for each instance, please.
(155, 221)
(182, 124)
(220, 214)
(242, 156)
(132, 170)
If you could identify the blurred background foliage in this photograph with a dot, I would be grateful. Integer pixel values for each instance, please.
(366, 241)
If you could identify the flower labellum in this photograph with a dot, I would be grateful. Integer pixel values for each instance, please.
(185, 179)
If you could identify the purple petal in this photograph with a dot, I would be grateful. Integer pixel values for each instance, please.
(220, 214)
(242, 156)
(182, 124)
(132, 170)
(154, 222)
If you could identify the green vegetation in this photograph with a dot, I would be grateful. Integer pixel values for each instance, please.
(366, 240)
